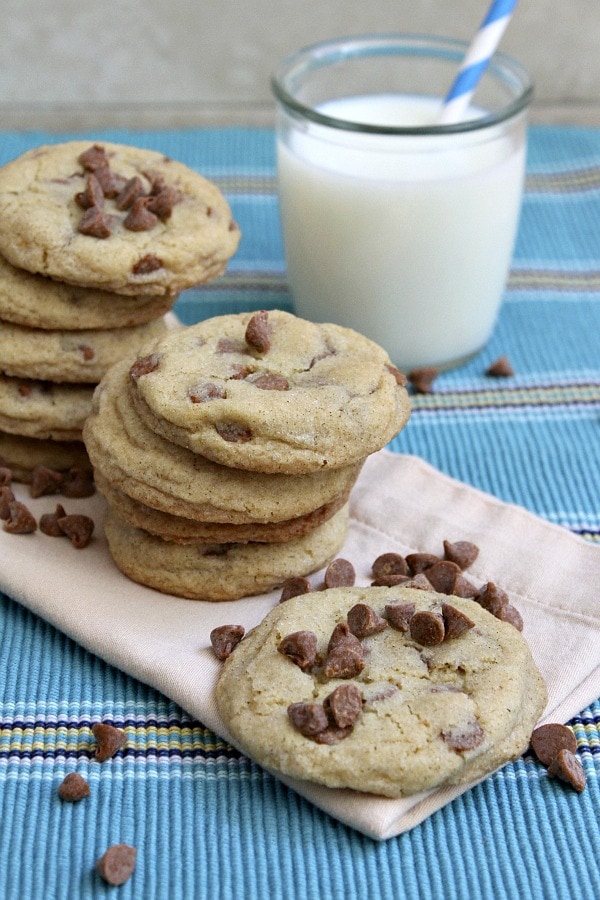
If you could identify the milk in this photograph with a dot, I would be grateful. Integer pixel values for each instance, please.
(405, 238)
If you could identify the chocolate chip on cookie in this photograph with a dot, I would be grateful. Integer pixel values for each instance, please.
(364, 621)
(427, 628)
(258, 332)
(300, 647)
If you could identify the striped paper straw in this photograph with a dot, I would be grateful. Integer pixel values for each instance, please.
(476, 60)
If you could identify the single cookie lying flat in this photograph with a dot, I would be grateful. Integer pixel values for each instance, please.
(174, 480)
(216, 572)
(113, 217)
(412, 714)
(269, 392)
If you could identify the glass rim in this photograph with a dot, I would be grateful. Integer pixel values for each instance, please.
(340, 49)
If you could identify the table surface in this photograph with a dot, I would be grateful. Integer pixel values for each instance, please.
(206, 821)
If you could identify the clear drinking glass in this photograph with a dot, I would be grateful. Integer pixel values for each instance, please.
(393, 225)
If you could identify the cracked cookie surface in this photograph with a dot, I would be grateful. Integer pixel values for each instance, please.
(269, 392)
(45, 199)
(428, 715)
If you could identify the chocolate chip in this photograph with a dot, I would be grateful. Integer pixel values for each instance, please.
(93, 158)
(139, 217)
(463, 553)
(363, 621)
(390, 580)
(345, 659)
(147, 264)
(422, 379)
(399, 615)
(389, 564)
(339, 573)
(568, 768)
(45, 481)
(73, 787)
(24, 390)
(92, 195)
(308, 718)
(109, 740)
(271, 381)
(465, 588)
(87, 352)
(77, 483)
(340, 633)
(511, 615)
(332, 735)
(117, 864)
(442, 576)
(294, 587)
(258, 331)
(49, 522)
(6, 476)
(109, 183)
(467, 737)
(129, 193)
(94, 223)
(456, 622)
(205, 392)
(229, 345)
(427, 628)
(401, 379)
(162, 203)
(500, 368)
(144, 365)
(548, 740)
(419, 582)
(300, 647)
(225, 638)
(492, 598)
(233, 432)
(19, 520)
(344, 705)
(6, 498)
(420, 562)
(78, 529)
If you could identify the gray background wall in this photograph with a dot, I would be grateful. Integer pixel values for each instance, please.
(144, 62)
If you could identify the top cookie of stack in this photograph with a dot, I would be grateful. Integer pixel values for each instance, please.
(96, 241)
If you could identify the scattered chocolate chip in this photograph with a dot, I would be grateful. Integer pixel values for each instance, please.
(49, 522)
(117, 864)
(45, 481)
(73, 787)
(144, 365)
(129, 193)
(6, 498)
(78, 529)
(399, 615)
(442, 576)
(108, 740)
(401, 379)
(6, 476)
(345, 659)
(308, 718)
(258, 331)
(271, 381)
(456, 622)
(463, 553)
(568, 768)
(94, 223)
(363, 621)
(389, 564)
(422, 379)
(77, 483)
(427, 628)
(19, 520)
(468, 737)
(390, 580)
(419, 582)
(548, 740)
(465, 588)
(492, 598)
(300, 647)
(233, 432)
(500, 368)
(92, 195)
(93, 158)
(225, 638)
(147, 264)
(294, 587)
(205, 392)
(420, 562)
(511, 615)
(139, 217)
(339, 573)
(344, 705)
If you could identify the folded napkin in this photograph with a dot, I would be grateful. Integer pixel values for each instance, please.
(399, 503)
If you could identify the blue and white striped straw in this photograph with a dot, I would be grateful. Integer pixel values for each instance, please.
(476, 60)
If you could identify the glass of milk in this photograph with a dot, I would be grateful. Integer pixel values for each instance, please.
(393, 225)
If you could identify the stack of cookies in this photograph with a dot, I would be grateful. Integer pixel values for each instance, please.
(227, 450)
(96, 242)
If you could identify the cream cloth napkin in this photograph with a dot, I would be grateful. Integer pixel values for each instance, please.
(399, 503)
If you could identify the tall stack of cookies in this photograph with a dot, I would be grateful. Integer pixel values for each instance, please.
(227, 450)
(96, 242)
